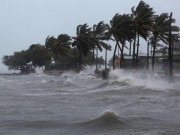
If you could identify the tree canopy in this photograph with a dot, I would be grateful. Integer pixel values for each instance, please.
(66, 52)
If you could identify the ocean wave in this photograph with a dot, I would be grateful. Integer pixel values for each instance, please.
(31, 124)
(143, 79)
(107, 118)
(124, 82)
(4, 80)
(48, 81)
(43, 94)
(69, 83)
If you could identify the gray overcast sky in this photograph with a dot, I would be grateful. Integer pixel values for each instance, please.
(26, 22)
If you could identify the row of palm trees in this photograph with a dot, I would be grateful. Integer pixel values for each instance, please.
(124, 28)
(86, 40)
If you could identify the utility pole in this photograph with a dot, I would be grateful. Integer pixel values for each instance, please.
(148, 55)
(170, 51)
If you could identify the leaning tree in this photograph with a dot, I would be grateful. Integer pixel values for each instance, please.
(122, 30)
(142, 17)
(84, 42)
(160, 31)
(49, 42)
(61, 46)
(100, 34)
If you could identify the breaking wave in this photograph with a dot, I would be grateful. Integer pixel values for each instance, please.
(142, 79)
(107, 118)
(69, 83)
(114, 83)
(49, 81)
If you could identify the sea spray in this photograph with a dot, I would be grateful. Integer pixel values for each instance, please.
(142, 79)
(124, 96)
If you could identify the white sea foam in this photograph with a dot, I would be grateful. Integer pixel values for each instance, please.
(68, 82)
(143, 79)
(44, 81)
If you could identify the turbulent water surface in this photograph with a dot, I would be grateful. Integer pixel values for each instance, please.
(79, 104)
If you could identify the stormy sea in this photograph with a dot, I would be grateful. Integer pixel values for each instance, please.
(83, 104)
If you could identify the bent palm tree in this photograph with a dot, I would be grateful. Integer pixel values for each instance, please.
(160, 29)
(100, 33)
(113, 30)
(122, 30)
(61, 46)
(49, 42)
(84, 42)
(142, 18)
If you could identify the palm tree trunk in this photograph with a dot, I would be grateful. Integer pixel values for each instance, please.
(172, 57)
(130, 49)
(114, 56)
(77, 60)
(122, 56)
(105, 59)
(80, 60)
(154, 48)
(120, 49)
(148, 55)
(46, 60)
(134, 49)
(92, 58)
(96, 58)
(137, 52)
(55, 60)
(170, 51)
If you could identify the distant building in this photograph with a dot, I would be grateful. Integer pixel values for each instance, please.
(176, 47)
(164, 51)
(117, 62)
(142, 60)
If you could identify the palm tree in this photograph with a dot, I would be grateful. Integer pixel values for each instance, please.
(61, 46)
(100, 33)
(122, 30)
(130, 46)
(141, 17)
(154, 44)
(49, 42)
(84, 41)
(160, 29)
(113, 30)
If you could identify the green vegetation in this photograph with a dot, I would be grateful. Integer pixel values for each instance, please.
(65, 52)
(35, 55)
